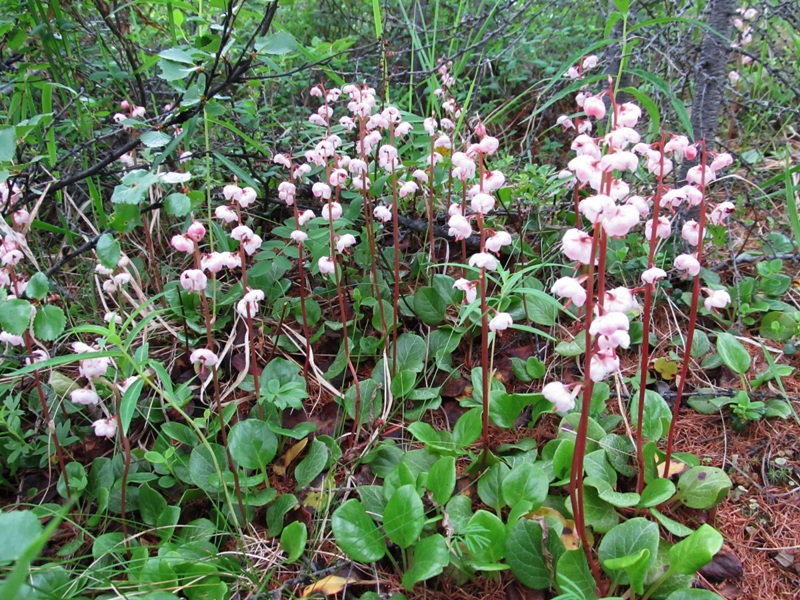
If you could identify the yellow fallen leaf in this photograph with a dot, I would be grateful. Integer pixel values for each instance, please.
(676, 467)
(332, 584)
(668, 369)
(289, 456)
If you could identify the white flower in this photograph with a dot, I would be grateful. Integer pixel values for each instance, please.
(182, 243)
(84, 396)
(603, 363)
(717, 299)
(8, 338)
(232, 192)
(459, 227)
(105, 427)
(483, 260)
(305, 217)
(609, 323)
(331, 211)
(468, 287)
(557, 393)
(569, 287)
(621, 300)
(501, 321)
(688, 263)
(345, 241)
(577, 245)
(226, 213)
(194, 280)
(382, 213)
(299, 236)
(326, 265)
(482, 203)
(203, 356)
(653, 274)
(497, 241)
(249, 303)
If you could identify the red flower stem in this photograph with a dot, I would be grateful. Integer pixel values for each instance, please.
(687, 353)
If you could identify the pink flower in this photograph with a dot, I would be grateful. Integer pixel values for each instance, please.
(615, 340)
(84, 396)
(429, 125)
(483, 260)
(196, 231)
(688, 263)
(408, 188)
(609, 323)
(482, 203)
(663, 228)
(203, 356)
(565, 122)
(226, 213)
(92, 368)
(640, 204)
(106, 428)
(500, 322)
(420, 176)
(493, 181)
(717, 299)
(194, 280)
(696, 175)
(577, 245)
(248, 196)
(497, 241)
(620, 300)
(603, 363)
(403, 129)
(691, 232)
(559, 394)
(468, 287)
(382, 213)
(677, 144)
(321, 190)
(338, 177)
(249, 303)
(628, 115)
(594, 106)
(653, 274)
(569, 287)
(619, 220)
(489, 145)
(621, 138)
(286, 192)
(283, 160)
(331, 211)
(721, 161)
(182, 243)
(305, 217)
(719, 214)
(593, 207)
(326, 265)
(459, 227)
(345, 241)
(232, 192)
(619, 161)
(298, 236)
(8, 338)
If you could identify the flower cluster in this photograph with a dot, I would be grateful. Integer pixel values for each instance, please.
(607, 204)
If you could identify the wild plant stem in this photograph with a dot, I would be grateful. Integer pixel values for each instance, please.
(687, 352)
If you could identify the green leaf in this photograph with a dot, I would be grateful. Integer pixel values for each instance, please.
(528, 555)
(128, 404)
(635, 537)
(441, 479)
(403, 383)
(277, 511)
(356, 534)
(468, 427)
(205, 467)
(429, 305)
(490, 486)
(694, 594)
(15, 315)
(151, 504)
(177, 55)
(38, 286)
(703, 487)
(49, 323)
(691, 554)
(574, 577)
(177, 204)
(657, 492)
(18, 530)
(252, 444)
(612, 496)
(535, 367)
(526, 482)
(431, 556)
(411, 353)
(485, 537)
(293, 540)
(313, 463)
(541, 308)
(8, 144)
(404, 516)
(656, 412)
(671, 525)
(155, 139)
(279, 42)
(733, 353)
(108, 250)
(134, 187)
